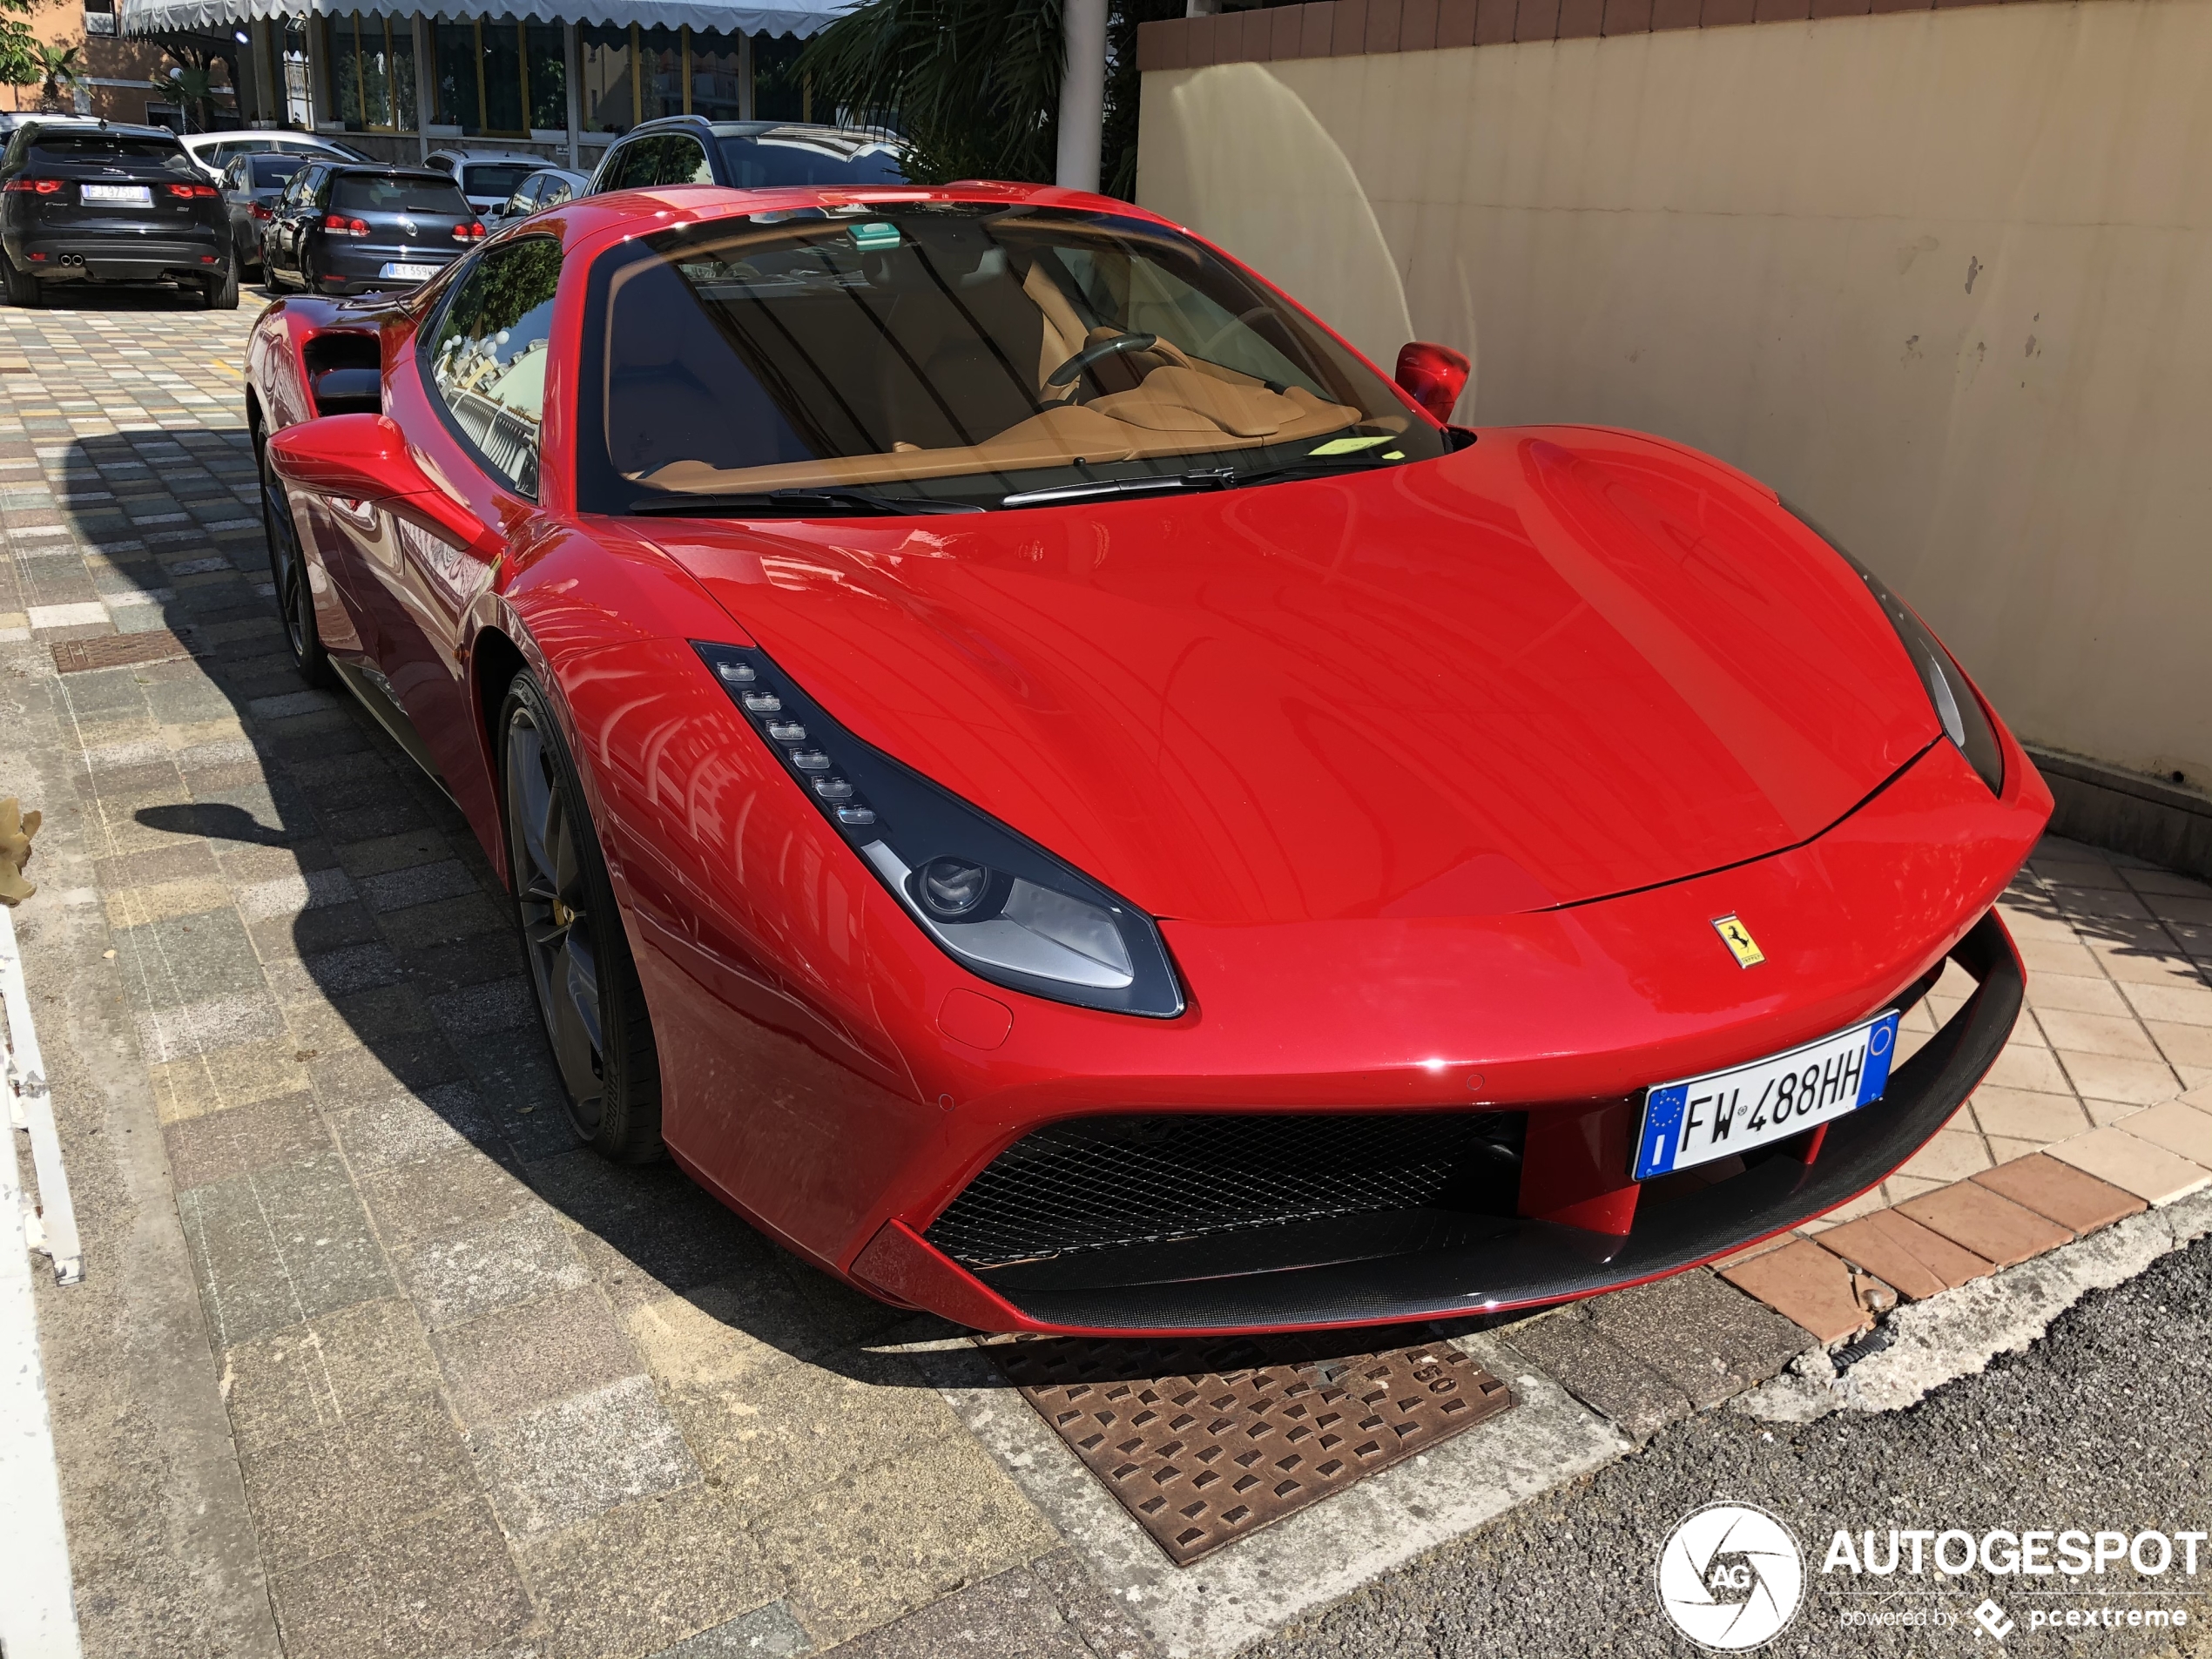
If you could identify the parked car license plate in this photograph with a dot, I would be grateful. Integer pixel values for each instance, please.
(121, 195)
(408, 273)
(1703, 1118)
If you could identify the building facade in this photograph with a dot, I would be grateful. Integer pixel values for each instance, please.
(402, 83)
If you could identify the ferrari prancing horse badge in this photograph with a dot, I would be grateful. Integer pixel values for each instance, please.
(1739, 941)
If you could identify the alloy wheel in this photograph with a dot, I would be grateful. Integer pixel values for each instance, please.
(558, 925)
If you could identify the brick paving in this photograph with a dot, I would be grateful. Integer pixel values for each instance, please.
(490, 1396)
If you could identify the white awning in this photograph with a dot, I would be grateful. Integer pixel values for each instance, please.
(153, 17)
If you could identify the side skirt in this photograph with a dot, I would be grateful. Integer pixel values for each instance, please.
(375, 694)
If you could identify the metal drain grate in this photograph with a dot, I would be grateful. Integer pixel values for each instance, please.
(117, 651)
(1204, 1441)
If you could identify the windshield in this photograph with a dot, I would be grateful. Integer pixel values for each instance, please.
(963, 352)
(499, 181)
(814, 159)
(95, 148)
(406, 194)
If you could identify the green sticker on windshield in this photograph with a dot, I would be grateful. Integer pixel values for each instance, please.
(1345, 446)
(875, 234)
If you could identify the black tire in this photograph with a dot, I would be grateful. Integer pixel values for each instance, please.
(581, 971)
(221, 292)
(22, 288)
(295, 598)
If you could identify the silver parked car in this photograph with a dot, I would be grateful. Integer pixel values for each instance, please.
(547, 188)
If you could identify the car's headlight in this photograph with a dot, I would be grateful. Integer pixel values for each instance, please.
(1961, 712)
(997, 903)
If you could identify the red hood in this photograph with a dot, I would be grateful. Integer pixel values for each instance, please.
(1556, 665)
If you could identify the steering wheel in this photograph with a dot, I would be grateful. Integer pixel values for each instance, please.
(1098, 351)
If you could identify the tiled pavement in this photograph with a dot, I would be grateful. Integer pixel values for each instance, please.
(490, 1396)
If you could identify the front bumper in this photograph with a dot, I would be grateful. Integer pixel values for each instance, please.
(1429, 1264)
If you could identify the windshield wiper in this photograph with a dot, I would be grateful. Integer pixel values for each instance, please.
(1109, 487)
(1310, 469)
(1217, 478)
(796, 503)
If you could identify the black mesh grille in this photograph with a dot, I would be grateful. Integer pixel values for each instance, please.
(1095, 1183)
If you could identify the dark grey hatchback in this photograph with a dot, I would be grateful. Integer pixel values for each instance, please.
(350, 229)
(84, 203)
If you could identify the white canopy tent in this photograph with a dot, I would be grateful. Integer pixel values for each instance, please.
(154, 17)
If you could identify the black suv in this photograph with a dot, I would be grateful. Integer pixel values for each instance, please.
(746, 155)
(86, 202)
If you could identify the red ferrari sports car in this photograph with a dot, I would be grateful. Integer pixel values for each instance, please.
(1071, 799)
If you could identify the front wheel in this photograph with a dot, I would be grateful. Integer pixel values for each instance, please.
(587, 987)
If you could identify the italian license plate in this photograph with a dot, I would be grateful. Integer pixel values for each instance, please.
(1703, 1118)
(120, 195)
(400, 273)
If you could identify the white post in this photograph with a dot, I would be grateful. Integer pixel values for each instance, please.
(1082, 95)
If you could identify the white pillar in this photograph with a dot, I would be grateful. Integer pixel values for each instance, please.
(1082, 95)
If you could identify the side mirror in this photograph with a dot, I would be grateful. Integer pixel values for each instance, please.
(1434, 376)
(365, 458)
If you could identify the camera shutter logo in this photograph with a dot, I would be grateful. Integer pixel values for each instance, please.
(1731, 1577)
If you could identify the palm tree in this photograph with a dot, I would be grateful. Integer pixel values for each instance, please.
(57, 73)
(194, 89)
(974, 85)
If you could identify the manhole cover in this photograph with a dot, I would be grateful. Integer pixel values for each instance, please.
(117, 651)
(1203, 1442)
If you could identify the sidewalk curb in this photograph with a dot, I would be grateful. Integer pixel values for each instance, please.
(1956, 1334)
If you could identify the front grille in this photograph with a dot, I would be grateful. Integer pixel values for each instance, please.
(1098, 1182)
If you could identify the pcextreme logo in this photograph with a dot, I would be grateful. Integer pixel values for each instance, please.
(1730, 1577)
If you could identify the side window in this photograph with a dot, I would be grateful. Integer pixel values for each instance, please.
(556, 192)
(685, 163)
(634, 166)
(302, 183)
(487, 361)
(234, 175)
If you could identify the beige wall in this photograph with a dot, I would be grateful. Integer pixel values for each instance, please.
(1945, 278)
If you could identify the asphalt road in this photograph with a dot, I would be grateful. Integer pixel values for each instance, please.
(2107, 1423)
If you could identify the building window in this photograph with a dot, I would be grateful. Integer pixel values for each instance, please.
(299, 105)
(629, 74)
(778, 93)
(717, 75)
(501, 77)
(661, 62)
(609, 100)
(372, 73)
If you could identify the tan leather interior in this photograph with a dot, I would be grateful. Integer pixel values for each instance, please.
(899, 379)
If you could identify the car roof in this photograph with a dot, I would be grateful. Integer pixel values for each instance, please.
(85, 123)
(387, 170)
